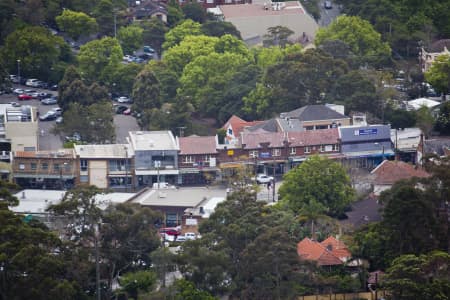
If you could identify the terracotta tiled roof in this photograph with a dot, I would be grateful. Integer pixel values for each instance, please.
(198, 145)
(329, 252)
(389, 172)
(238, 124)
(296, 139)
(314, 137)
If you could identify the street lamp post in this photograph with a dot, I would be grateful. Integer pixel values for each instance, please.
(18, 70)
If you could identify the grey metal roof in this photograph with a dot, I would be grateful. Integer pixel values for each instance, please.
(436, 146)
(314, 113)
(365, 133)
(269, 125)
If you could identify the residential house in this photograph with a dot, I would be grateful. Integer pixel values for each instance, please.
(233, 128)
(389, 172)
(150, 9)
(106, 166)
(215, 3)
(429, 54)
(45, 169)
(155, 157)
(366, 146)
(315, 117)
(363, 212)
(197, 160)
(174, 202)
(330, 252)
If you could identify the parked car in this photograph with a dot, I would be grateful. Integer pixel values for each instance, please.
(128, 58)
(170, 231)
(43, 95)
(49, 101)
(327, 5)
(57, 110)
(181, 238)
(54, 87)
(59, 120)
(120, 109)
(15, 104)
(263, 178)
(75, 137)
(127, 112)
(24, 97)
(42, 85)
(32, 82)
(18, 91)
(146, 56)
(123, 99)
(48, 116)
(138, 60)
(148, 49)
(14, 78)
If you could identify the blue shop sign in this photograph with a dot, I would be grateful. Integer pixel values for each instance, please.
(265, 155)
(368, 131)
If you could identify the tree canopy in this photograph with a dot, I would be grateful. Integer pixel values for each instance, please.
(76, 24)
(320, 180)
(439, 74)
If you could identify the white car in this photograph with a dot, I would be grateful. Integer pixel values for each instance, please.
(32, 82)
(123, 99)
(263, 178)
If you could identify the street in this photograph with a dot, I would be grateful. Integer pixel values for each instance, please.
(327, 15)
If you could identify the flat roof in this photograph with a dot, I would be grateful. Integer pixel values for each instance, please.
(252, 20)
(152, 140)
(103, 151)
(181, 197)
(33, 201)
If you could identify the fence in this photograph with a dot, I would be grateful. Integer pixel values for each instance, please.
(348, 296)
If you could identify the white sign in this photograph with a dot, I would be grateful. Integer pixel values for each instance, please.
(191, 222)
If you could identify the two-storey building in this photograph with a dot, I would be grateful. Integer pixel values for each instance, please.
(45, 169)
(198, 159)
(105, 166)
(155, 157)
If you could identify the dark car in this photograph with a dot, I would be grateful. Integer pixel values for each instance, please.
(120, 109)
(54, 87)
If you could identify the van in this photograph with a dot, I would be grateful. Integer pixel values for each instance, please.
(327, 5)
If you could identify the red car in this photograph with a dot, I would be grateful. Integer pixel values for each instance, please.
(170, 231)
(127, 112)
(24, 97)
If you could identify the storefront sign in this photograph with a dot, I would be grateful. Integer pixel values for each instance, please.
(368, 131)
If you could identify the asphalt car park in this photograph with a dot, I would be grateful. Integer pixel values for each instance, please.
(49, 141)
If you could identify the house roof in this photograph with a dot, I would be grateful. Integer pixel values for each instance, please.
(439, 147)
(314, 113)
(327, 253)
(389, 172)
(418, 103)
(238, 124)
(197, 145)
(269, 125)
(364, 212)
(313, 137)
(438, 46)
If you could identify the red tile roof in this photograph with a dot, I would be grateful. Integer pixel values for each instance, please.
(389, 172)
(327, 253)
(238, 125)
(296, 139)
(198, 145)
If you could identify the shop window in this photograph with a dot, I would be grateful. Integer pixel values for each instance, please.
(293, 151)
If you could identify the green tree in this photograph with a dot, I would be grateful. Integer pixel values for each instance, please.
(194, 11)
(277, 36)
(104, 15)
(185, 290)
(419, 277)
(37, 49)
(76, 24)
(443, 119)
(425, 120)
(404, 206)
(154, 33)
(174, 13)
(146, 91)
(135, 282)
(205, 78)
(363, 40)
(219, 28)
(121, 80)
(317, 179)
(98, 58)
(76, 92)
(439, 75)
(130, 38)
(178, 33)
